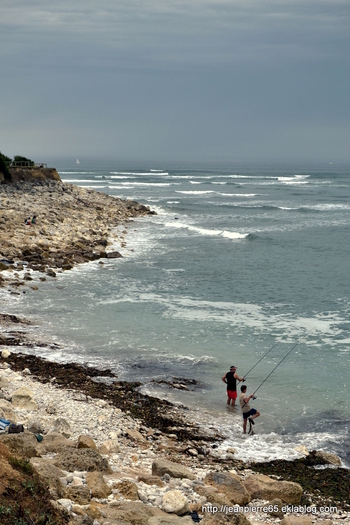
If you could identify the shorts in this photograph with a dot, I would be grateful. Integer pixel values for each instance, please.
(232, 394)
(251, 412)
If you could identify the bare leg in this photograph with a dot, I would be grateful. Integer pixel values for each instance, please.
(244, 426)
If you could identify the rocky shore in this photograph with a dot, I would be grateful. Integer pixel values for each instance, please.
(96, 451)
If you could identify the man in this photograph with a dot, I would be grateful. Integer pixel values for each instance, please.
(248, 413)
(230, 378)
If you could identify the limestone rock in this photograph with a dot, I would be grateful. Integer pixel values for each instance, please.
(23, 444)
(4, 382)
(112, 446)
(174, 501)
(62, 426)
(212, 495)
(86, 442)
(135, 435)
(297, 520)
(80, 495)
(170, 520)
(50, 474)
(35, 426)
(264, 487)
(81, 459)
(175, 470)
(5, 353)
(96, 484)
(23, 398)
(332, 459)
(224, 519)
(56, 442)
(229, 484)
(151, 480)
(128, 489)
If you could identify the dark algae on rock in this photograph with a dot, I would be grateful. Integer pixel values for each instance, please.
(322, 484)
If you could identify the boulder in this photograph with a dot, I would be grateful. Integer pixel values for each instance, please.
(62, 426)
(4, 382)
(131, 512)
(212, 495)
(23, 444)
(175, 470)
(128, 489)
(85, 459)
(332, 459)
(50, 474)
(175, 502)
(224, 519)
(5, 353)
(86, 442)
(96, 484)
(230, 485)
(23, 398)
(170, 520)
(55, 442)
(80, 495)
(35, 426)
(266, 488)
(135, 435)
(151, 480)
(297, 520)
(111, 446)
(7, 411)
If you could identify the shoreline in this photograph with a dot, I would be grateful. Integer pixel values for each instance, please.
(171, 434)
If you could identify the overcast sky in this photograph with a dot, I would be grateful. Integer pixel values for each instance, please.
(176, 79)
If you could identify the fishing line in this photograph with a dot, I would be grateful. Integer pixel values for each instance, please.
(278, 364)
(245, 375)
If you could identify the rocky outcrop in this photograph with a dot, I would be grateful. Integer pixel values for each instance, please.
(230, 485)
(33, 174)
(264, 487)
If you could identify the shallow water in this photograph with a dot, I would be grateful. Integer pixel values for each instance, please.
(239, 260)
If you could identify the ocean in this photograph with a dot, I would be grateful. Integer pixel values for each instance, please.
(241, 260)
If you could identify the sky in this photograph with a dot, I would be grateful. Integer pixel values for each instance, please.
(211, 80)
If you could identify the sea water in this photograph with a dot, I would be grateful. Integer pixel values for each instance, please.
(240, 261)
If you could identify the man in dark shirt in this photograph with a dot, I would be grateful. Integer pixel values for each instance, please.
(230, 378)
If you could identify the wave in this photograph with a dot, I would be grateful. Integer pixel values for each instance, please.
(204, 192)
(206, 231)
(135, 173)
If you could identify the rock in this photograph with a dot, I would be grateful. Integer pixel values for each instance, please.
(113, 255)
(50, 474)
(111, 446)
(175, 502)
(302, 449)
(332, 459)
(4, 382)
(230, 485)
(175, 470)
(212, 495)
(170, 520)
(55, 442)
(85, 459)
(224, 519)
(5, 353)
(96, 484)
(35, 427)
(135, 435)
(23, 444)
(264, 487)
(86, 442)
(7, 410)
(276, 505)
(128, 489)
(297, 520)
(23, 398)
(80, 495)
(134, 513)
(62, 426)
(151, 480)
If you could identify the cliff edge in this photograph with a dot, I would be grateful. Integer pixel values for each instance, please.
(30, 174)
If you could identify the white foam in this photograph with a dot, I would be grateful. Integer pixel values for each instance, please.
(195, 192)
(207, 231)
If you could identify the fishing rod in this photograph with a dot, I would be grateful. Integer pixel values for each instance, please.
(278, 364)
(245, 375)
